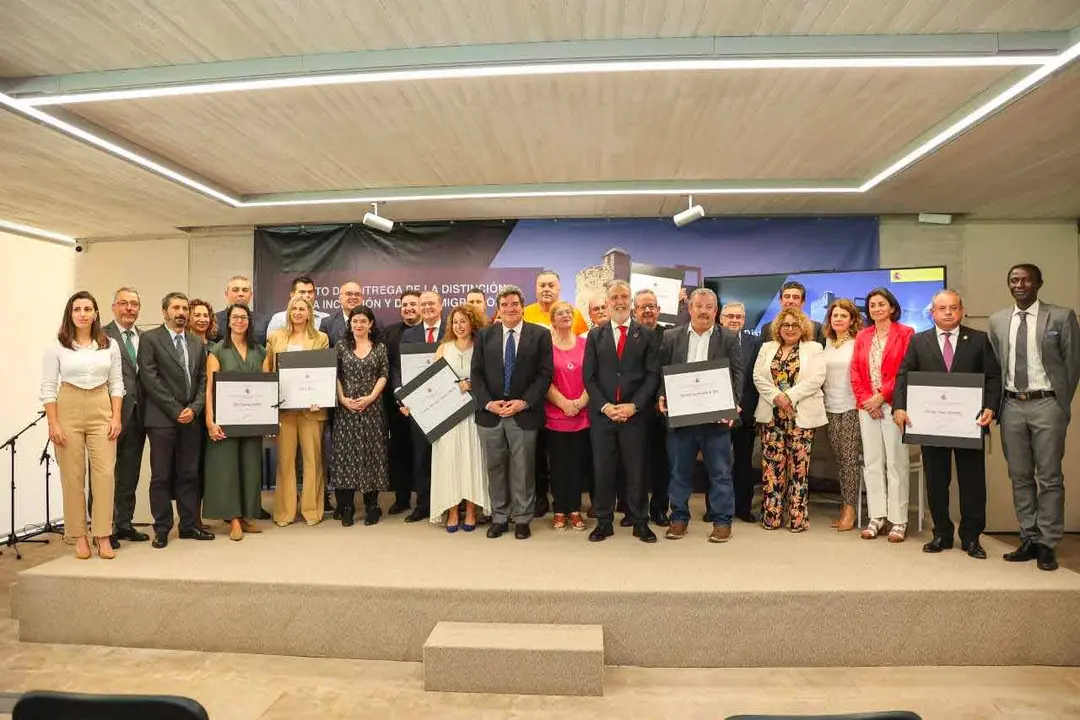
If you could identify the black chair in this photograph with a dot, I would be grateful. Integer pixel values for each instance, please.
(883, 715)
(45, 705)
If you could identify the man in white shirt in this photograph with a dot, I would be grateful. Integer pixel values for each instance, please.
(305, 288)
(1038, 347)
(129, 446)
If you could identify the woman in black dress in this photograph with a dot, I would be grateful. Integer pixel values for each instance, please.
(360, 419)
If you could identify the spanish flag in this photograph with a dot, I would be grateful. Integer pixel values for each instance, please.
(917, 275)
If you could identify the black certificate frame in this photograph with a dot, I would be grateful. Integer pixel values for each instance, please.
(704, 418)
(417, 383)
(948, 380)
(664, 272)
(245, 430)
(300, 359)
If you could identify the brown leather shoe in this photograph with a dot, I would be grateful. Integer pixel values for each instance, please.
(249, 526)
(720, 533)
(676, 531)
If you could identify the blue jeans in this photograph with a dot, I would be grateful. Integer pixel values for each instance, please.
(715, 444)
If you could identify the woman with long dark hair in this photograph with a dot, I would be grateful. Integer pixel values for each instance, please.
(233, 467)
(360, 460)
(82, 389)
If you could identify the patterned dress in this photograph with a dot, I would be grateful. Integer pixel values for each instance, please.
(360, 437)
(785, 455)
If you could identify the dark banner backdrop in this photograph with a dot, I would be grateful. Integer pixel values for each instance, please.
(452, 257)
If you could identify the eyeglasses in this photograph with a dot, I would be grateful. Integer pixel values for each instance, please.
(732, 316)
(650, 306)
(353, 294)
(789, 326)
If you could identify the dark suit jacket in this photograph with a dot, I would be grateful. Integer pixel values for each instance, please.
(723, 345)
(415, 334)
(636, 375)
(258, 322)
(750, 347)
(534, 365)
(972, 354)
(161, 377)
(132, 390)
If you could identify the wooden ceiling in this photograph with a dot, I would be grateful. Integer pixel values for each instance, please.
(755, 125)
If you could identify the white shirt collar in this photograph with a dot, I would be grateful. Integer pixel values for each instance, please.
(955, 332)
(516, 328)
(1033, 310)
(691, 331)
(175, 334)
(622, 324)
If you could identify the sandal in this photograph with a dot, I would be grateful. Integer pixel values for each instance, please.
(576, 521)
(559, 522)
(898, 532)
(873, 529)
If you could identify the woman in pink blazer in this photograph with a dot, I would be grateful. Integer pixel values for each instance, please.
(879, 351)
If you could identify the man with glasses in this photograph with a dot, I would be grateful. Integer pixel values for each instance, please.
(336, 326)
(647, 312)
(733, 317)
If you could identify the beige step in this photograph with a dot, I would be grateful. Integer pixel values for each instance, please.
(515, 659)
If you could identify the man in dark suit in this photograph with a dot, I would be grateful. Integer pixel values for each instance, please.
(129, 446)
(647, 313)
(512, 366)
(622, 369)
(793, 295)
(430, 329)
(400, 448)
(337, 325)
(733, 317)
(702, 340)
(955, 348)
(238, 292)
(172, 377)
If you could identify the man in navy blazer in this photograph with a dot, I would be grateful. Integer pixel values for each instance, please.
(699, 341)
(733, 317)
(512, 366)
(955, 348)
(622, 372)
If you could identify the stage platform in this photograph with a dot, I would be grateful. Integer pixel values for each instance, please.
(765, 599)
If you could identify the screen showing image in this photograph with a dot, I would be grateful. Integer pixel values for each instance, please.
(913, 288)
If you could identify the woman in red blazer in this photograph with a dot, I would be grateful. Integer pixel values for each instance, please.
(879, 351)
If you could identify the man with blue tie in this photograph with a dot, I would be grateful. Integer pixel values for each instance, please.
(512, 367)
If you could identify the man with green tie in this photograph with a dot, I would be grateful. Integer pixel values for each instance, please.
(129, 446)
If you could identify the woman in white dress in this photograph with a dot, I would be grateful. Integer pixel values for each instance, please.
(458, 471)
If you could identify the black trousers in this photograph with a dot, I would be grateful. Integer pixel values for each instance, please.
(970, 477)
(658, 470)
(742, 469)
(346, 499)
(620, 447)
(421, 458)
(174, 473)
(570, 459)
(129, 452)
(400, 451)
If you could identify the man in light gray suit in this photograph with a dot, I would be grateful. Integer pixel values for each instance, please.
(1038, 347)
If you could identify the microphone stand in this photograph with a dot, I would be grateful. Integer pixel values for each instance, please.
(13, 539)
(48, 527)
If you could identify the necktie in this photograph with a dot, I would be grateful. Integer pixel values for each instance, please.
(431, 334)
(1020, 371)
(129, 346)
(181, 354)
(508, 362)
(947, 351)
(619, 351)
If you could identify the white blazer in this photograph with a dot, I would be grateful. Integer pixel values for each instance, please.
(806, 395)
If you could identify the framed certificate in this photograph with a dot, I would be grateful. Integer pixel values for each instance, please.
(942, 409)
(246, 404)
(664, 282)
(306, 378)
(435, 400)
(415, 358)
(699, 393)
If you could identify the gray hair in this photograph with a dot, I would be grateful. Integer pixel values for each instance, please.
(127, 289)
(703, 291)
(947, 291)
(507, 290)
(736, 305)
(548, 272)
(644, 291)
(612, 284)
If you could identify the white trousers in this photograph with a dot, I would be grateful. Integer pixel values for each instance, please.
(886, 467)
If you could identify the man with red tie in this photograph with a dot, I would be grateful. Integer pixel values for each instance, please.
(622, 373)
(952, 347)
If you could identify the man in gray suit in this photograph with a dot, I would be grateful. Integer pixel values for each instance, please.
(129, 446)
(1038, 347)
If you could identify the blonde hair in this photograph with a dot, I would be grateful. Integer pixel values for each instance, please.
(800, 317)
(309, 328)
(559, 305)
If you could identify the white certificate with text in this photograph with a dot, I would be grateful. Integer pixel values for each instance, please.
(698, 393)
(944, 412)
(245, 403)
(303, 387)
(437, 399)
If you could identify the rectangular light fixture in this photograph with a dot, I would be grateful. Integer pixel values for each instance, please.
(21, 229)
(547, 68)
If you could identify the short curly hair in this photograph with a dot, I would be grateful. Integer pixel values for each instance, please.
(799, 317)
(476, 320)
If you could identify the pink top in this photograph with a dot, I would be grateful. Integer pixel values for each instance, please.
(568, 379)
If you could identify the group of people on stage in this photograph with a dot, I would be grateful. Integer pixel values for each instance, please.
(564, 406)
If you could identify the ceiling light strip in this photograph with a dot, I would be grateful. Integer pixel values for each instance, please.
(21, 106)
(533, 69)
(36, 232)
(969, 120)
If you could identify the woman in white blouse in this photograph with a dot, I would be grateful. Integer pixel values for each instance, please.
(842, 322)
(82, 389)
